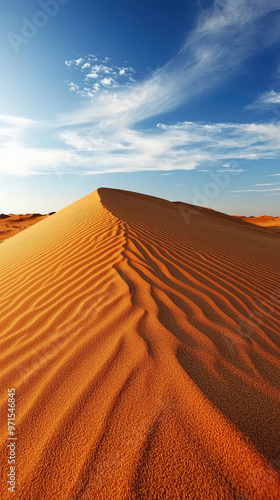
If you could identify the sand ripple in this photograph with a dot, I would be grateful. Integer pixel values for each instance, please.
(144, 346)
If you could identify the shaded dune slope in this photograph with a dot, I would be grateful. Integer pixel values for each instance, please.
(142, 338)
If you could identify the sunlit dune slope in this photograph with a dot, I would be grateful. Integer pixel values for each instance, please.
(271, 223)
(142, 338)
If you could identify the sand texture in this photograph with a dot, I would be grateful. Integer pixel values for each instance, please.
(143, 340)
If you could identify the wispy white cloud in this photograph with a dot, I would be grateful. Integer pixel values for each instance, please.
(237, 13)
(119, 148)
(266, 100)
(234, 170)
(181, 146)
(268, 184)
(104, 135)
(15, 121)
(19, 159)
(224, 37)
(254, 190)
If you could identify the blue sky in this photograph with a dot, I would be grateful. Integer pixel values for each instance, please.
(176, 99)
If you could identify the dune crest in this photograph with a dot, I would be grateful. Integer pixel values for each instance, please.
(142, 338)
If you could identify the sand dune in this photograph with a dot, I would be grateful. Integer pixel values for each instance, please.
(11, 224)
(271, 223)
(142, 338)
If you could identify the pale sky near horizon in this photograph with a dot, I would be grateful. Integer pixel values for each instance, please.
(179, 100)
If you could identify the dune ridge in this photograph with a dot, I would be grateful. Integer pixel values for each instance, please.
(142, 337)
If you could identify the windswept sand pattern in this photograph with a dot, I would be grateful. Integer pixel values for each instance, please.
(143, 340)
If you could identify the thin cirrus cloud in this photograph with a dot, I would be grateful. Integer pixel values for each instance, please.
(181, 146)
(100, 135)
(255, 190)
(267, 100)
(268, 184)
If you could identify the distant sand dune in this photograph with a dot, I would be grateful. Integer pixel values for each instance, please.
(271, 223)
(142, 338)
(11, 224)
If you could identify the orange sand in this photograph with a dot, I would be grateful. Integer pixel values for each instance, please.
(11, 224)
(272, 223)
(142, 338)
